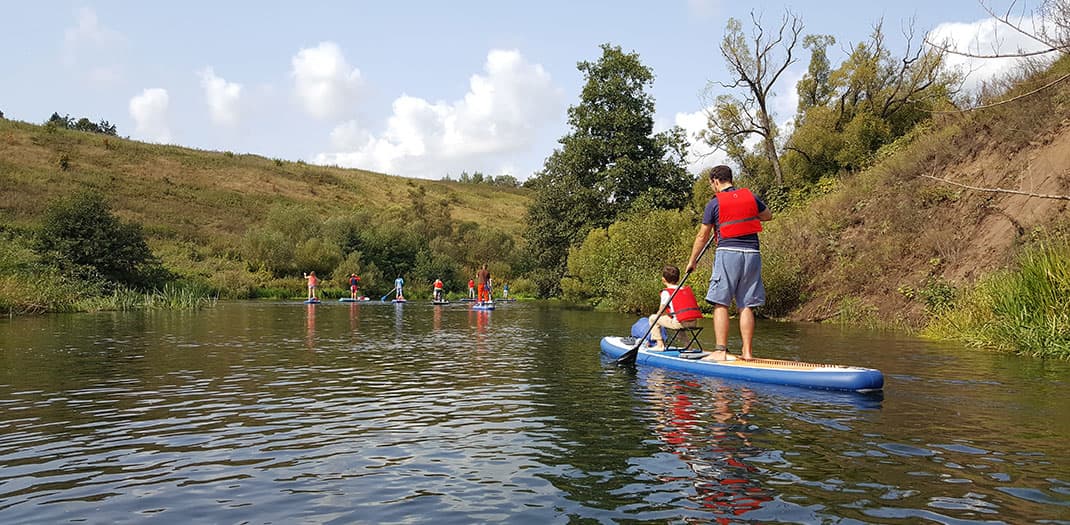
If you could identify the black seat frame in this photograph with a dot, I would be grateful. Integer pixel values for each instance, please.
(692, 333)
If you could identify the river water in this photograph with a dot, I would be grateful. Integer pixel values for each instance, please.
(255, 412)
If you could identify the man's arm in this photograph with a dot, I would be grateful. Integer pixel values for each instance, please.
(701, 237)
(765, 215)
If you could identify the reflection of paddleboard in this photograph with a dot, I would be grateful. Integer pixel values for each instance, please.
(312, 301)
(483, 306)
(352, 300)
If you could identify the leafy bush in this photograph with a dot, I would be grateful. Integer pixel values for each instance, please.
(621, 266)
(785, 282)
(81, 233)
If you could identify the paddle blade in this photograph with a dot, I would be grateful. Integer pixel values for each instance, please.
(628, 359)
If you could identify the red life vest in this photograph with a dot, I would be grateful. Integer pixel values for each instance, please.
(438, 284)
(683, 306)
(737, 213)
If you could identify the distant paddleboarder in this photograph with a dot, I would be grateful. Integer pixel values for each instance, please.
(483, 275)
(399, 283)
(439, 291)
(354, 286)
(312, 283)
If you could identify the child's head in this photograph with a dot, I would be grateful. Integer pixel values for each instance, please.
(671, 274)
(312, 273)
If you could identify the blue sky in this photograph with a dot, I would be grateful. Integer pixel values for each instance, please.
(419, 89)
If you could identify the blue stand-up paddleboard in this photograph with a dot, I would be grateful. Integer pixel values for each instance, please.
(439, 303)
(775, 371)
(352, 300)
(312, 301)
(483, 306)
(399, 301)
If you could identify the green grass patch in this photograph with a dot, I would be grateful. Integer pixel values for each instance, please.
(1022, 310)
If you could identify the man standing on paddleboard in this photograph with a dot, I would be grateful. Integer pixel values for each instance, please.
(735, 215)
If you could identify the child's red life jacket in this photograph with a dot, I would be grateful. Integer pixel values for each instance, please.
(737, 213)
(684, 307)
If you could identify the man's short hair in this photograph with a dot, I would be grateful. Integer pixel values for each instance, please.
(671, 274)
(721, 173)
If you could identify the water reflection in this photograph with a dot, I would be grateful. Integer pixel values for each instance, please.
(480, 319)
(446, 415)
(714, 447)
(354, 318)
(310, 326)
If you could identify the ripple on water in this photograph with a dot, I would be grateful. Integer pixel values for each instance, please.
(380, 414)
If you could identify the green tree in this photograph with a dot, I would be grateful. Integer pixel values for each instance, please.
(814, 88)
(81, 232)
(871, 99)
(610, 158)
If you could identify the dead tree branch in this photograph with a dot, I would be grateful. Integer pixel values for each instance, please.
(999, 190)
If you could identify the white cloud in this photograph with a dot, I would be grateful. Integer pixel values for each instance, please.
(326, 84)
(700, 155)
(501, 114)
(223, 97)
(149, 111)
(348, 136)
(704, 8)
(984, 37)
(92, 49)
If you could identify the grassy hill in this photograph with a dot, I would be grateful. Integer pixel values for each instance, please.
(208, 195)
(196, 207)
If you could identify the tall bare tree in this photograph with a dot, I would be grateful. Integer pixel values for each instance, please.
(756, 61)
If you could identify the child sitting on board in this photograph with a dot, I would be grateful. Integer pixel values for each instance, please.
(679, 313)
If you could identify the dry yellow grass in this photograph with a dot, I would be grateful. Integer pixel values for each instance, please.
(197, 195)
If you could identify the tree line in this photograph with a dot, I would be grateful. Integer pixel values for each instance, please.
(81, 124)
(477, 177)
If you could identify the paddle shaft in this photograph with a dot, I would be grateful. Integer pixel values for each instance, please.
(383, 298)
(629, 356)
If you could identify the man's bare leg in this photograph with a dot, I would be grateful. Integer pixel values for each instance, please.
(746, 330)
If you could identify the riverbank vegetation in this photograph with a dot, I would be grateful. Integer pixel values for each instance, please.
(875, 222)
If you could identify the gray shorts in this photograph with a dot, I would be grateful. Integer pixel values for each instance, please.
(737, 274)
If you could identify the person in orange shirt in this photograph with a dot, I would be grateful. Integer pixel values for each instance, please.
(312, 283)
(438, 291)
